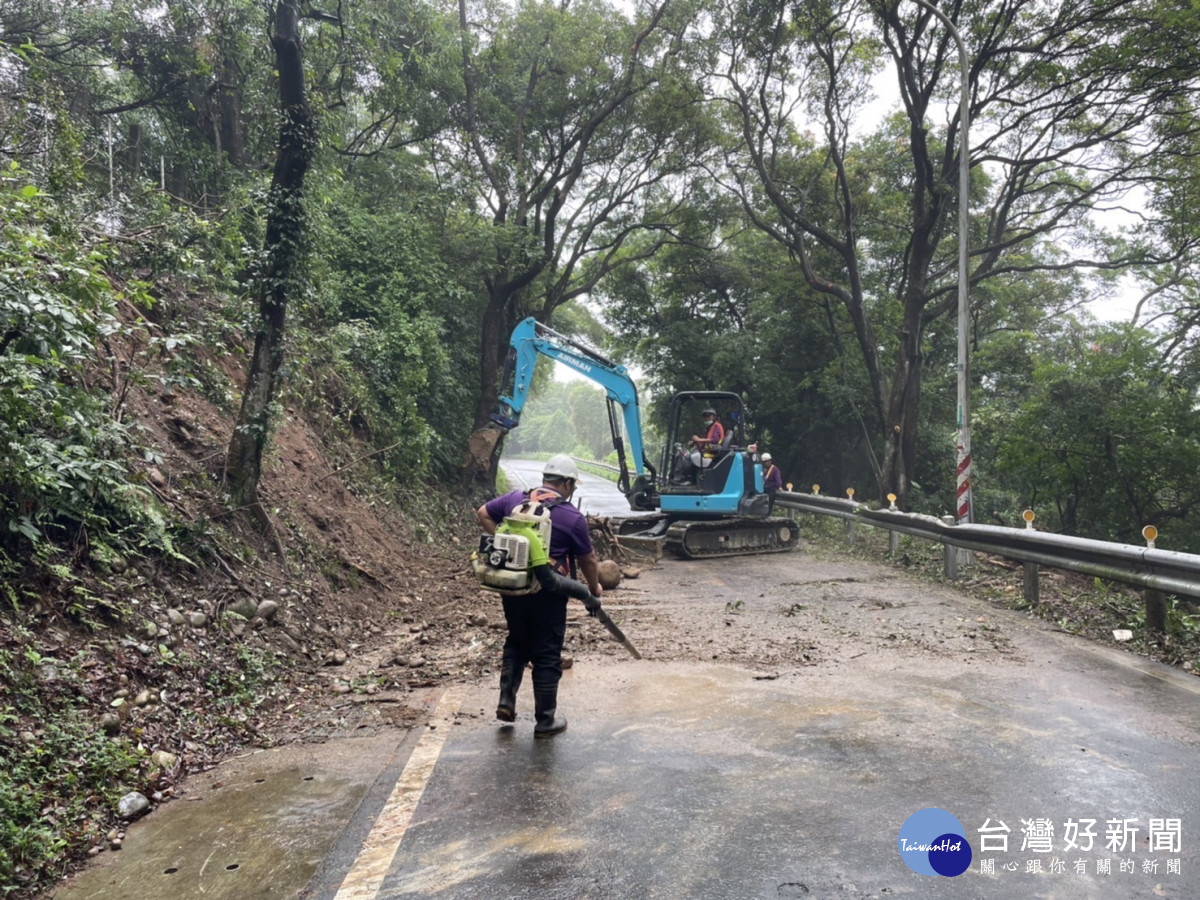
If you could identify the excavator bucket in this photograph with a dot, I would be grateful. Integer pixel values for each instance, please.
(481, 445)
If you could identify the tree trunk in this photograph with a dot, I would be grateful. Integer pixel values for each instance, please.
(900, 424)
(482, 458)
(229, 96)
(135, 152)
(284, 244)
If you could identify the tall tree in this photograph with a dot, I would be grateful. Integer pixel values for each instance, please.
(1060, 105)
(283, 251)
(567, 156)
(1103, 439)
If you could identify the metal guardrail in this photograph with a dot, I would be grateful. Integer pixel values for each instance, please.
(1154, 571)
(598, 465)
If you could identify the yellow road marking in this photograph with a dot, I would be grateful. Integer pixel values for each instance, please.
(366, 875)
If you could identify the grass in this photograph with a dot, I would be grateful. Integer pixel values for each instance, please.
(60, 775)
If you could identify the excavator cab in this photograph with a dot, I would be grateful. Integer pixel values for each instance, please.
(728, 481)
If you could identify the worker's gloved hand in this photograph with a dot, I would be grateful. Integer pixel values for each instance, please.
(592, 605)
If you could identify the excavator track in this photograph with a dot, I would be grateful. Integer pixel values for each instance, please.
(698, 539)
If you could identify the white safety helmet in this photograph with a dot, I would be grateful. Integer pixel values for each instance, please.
(561, 466)
(766, 457)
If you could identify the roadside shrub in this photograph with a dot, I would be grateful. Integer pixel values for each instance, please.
(60, 776)
(63, 473)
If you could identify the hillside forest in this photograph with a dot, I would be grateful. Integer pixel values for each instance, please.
(336, 213)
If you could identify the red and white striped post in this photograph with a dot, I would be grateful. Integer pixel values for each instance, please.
(963, 507)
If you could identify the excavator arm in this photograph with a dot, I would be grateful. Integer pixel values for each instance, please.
(531, 340)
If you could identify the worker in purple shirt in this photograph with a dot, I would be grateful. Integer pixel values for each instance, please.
(772, 479)
(537, 623)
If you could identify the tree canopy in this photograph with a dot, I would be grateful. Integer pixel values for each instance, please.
(712, 188)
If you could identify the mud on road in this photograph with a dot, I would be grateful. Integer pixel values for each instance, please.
(784, 613)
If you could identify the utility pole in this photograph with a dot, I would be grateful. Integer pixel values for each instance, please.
(964, 511)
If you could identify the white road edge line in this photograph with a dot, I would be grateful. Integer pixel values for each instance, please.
(366, 875)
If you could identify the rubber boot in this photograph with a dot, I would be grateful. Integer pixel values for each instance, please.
(548, 722)
(510, 681)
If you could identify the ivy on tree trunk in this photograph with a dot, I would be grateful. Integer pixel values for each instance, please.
(284, 251)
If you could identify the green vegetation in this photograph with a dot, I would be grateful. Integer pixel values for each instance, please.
(64, 473)
(360, 211)
(60, 776)
(463, 176)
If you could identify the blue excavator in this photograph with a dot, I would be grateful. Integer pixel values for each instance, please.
(719, 509)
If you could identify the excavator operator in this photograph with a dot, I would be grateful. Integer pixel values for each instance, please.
(703, 447)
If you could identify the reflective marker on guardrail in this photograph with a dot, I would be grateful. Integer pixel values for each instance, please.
(1150, 533)
(1032, 585)
(893, 536)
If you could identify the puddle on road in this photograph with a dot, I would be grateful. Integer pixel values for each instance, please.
(255, 827)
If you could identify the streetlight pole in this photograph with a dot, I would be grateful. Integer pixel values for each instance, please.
(964, 509)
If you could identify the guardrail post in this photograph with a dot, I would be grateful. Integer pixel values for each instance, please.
(949, 554)
(851, 533)
(1032, 584)
(1156, 606)
(1156, 610)
(1033, 587)
(893, 535)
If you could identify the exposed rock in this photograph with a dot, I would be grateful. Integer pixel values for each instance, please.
(164, 760)
(288, 641)
(336, 658)
(246, 607)
(132, 805)
(610, 574)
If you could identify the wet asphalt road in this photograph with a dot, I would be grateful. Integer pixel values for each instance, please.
(594, 495)
(709, 779)
(699, 781)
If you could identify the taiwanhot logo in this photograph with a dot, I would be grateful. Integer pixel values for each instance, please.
(933, 842)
